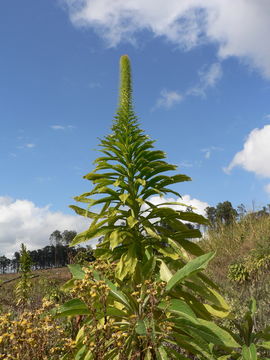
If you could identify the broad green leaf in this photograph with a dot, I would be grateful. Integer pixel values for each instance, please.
(249, 352)
(148, 355)
(68, 285)
(149, 267)
(193, 343)
(215, 311)
(164, 271)
(115, 239)
(89, 234)
(141, 181)
(265, 345)
(140, 327)
(151, 232)
(168, 251)
(162, 353)
(216, 334)
(115, 312)
(127, 263)
(83, 212)
(193, 217)
(118, 295)
(80, 353)
(132, 221)
(73, 307)
(191, 267)
(252, 306)
(76, 271)
(191, 247)
(123, 198)
(178, 307)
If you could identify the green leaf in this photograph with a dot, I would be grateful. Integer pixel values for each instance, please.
(118, 295)
(207, 330)
(190, 268)
(252, 306)
(115, 239)
(193, 217)
(140, 327)
(76, 271)
(249, 352)
(127, 263)
(123, 198)
(132, 221)
(162, 353)
(83, 212)
(216, 334)
(178, 307)
(73, 307)
(149, 267)
(265, 345)
(164, 271)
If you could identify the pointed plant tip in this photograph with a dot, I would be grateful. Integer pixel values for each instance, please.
(125, 56)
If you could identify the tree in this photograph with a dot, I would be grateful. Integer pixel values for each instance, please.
(68, 236)
(241, 211)
(225, 213)
(211, 214)
(4, 263)
(56, 238)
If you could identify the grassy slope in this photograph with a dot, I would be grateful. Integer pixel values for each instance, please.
(234, 243)
(46, 284)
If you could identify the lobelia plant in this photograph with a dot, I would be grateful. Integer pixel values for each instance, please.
(145, 297)
(24, 285)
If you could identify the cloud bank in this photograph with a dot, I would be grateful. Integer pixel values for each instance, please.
(21, 221)
(197, 205)
(168, 99)
(208, 78)
(237, 29)
(255, 155)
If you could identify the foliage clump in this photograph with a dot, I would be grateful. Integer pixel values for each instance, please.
(34, 334)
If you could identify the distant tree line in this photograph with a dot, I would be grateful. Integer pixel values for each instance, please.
(57, 254)
(225, 213)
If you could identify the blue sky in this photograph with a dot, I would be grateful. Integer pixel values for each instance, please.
(201, 74)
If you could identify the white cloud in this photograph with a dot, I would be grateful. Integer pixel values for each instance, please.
(208, 151)
(27, 146)
(57, 127)
(237, 28)
(197, 205)
(21, 221)
(255, 155)
(208, 79)
(168, 99)
(61, 127)
(30, 145)
(186, 163)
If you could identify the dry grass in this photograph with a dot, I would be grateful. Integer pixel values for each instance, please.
(233, 242)
(47, 283)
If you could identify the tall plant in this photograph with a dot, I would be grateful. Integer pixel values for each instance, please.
(125, 177)
(146, 296)
(24, 285)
